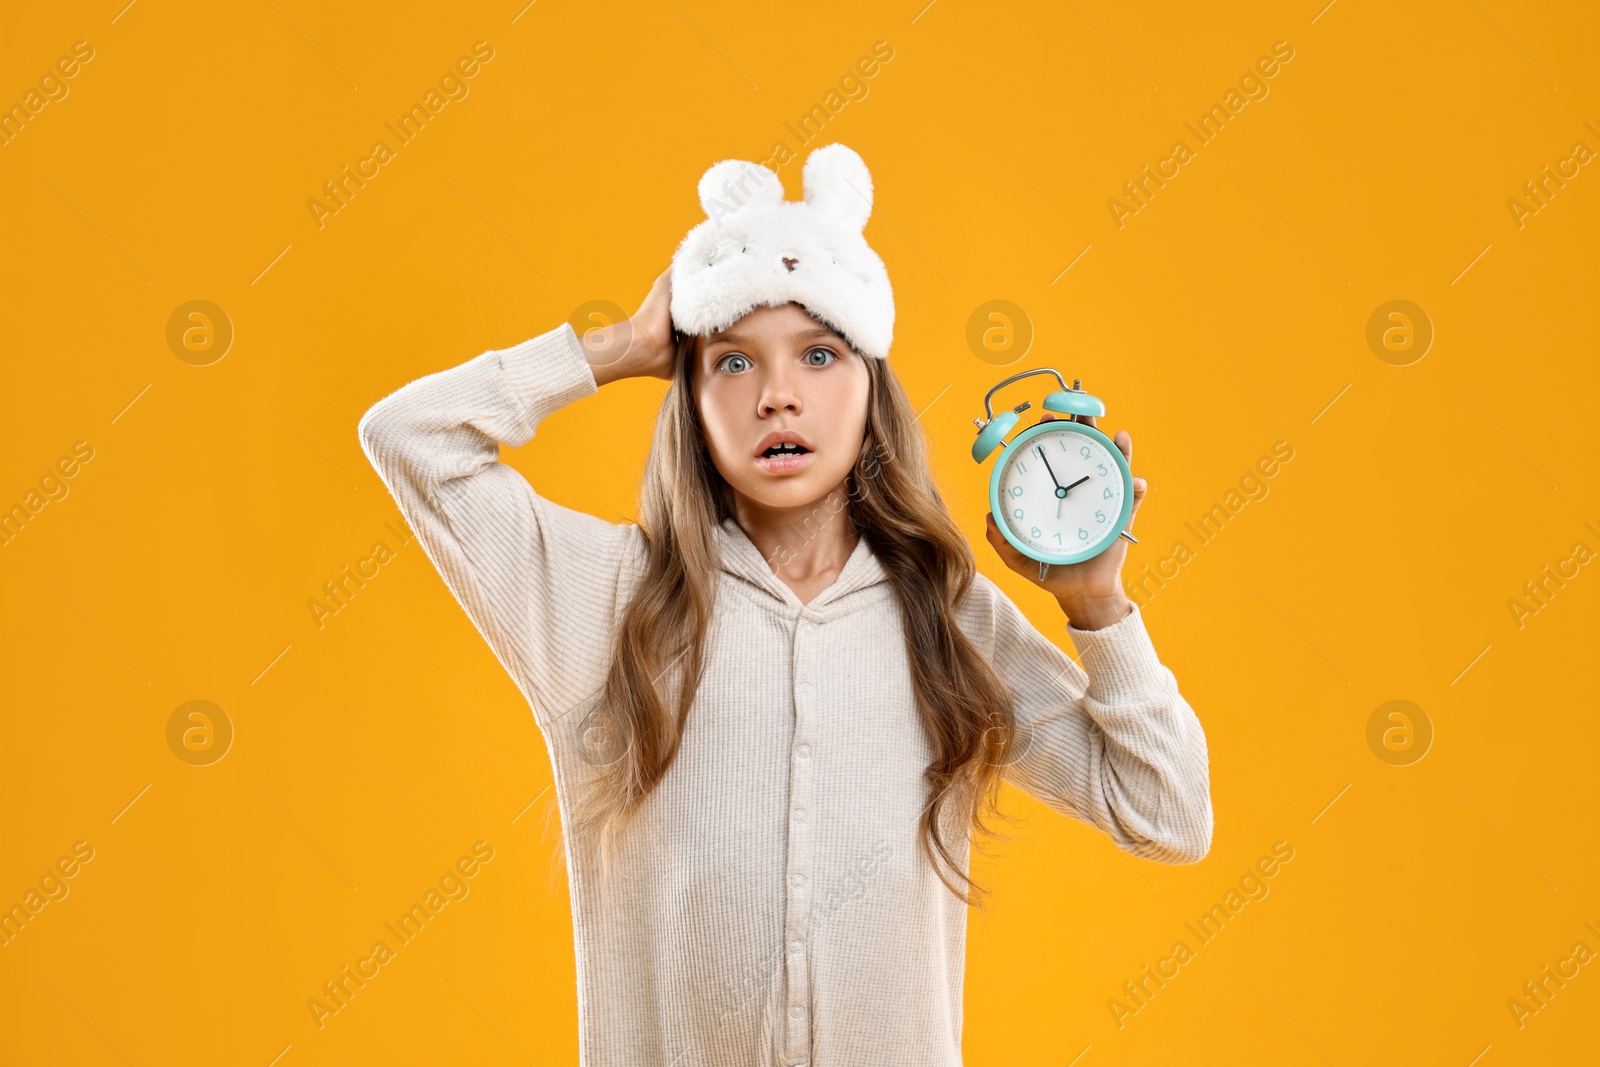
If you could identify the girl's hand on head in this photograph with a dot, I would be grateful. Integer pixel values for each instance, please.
(652, 329)
(1089, 592)
(641, 346)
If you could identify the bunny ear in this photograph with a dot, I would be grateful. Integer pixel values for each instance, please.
(733, 184)
(837, 181)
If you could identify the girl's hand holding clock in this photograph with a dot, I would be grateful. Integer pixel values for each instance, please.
(1089, 592)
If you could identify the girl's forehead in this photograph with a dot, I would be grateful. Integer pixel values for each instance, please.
(786, 323)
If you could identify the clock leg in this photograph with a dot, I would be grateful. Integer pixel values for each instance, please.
(1044, 570)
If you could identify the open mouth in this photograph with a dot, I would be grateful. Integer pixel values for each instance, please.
(785, 456)
(787, 448)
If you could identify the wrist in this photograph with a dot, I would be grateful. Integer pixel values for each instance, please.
(1096, 613)
(606, 349)
(626, 350)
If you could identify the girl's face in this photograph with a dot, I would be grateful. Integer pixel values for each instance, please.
(779, 375)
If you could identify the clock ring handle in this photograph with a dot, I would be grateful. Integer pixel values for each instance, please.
(988, 398)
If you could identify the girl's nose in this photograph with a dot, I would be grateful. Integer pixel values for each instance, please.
(778, 392)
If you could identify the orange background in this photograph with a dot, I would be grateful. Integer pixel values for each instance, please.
(1228, 314)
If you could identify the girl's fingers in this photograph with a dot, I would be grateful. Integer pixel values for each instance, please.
(992, 534)
(1123, 440)
(1006, 550)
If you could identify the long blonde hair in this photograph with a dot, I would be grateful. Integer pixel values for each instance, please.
(656, 664)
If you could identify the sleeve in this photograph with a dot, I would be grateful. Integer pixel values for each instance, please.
(541, 582)
(1112, 743)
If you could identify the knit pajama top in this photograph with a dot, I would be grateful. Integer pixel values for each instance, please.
(772, 905)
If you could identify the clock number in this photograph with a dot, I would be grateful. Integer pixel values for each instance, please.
(1083, 535)
(1037, 533)
(1016, 490)
(1084, 451)
(1017, 512)
(1099, 516)
(1101, 467)
(1058, 537)
(1108, 493)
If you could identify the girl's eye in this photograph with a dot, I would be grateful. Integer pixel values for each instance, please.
(735, 363)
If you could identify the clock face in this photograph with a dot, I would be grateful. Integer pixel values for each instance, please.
(1061, 493)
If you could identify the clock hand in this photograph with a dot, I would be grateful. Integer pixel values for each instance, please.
(1074, 485)
(1059, 491)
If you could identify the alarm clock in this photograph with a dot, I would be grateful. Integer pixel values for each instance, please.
(1061, 491)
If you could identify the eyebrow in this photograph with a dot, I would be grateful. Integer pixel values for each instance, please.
(743, 339)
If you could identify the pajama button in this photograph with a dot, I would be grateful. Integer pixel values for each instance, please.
(798, 880)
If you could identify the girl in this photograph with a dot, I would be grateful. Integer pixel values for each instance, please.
(778, 704)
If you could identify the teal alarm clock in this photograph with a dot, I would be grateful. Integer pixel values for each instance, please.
(1061, 491)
